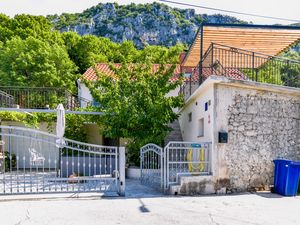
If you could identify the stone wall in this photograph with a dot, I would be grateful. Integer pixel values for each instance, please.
(262, 126)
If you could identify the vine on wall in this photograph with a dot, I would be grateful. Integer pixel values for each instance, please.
(75, 128)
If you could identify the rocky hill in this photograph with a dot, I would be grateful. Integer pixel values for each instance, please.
(144, 24)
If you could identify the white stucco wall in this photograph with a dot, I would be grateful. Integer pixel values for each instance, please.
(84, 92)
(196, 106)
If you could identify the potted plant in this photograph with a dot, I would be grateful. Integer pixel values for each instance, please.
(10, 161)
(133, 166)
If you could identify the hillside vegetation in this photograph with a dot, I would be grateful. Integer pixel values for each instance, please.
(144, 24)
(33, 54)
(55, 51)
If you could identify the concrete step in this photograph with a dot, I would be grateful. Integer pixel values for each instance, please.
(175, 134)
(189, 184)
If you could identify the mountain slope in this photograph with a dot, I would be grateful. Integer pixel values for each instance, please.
(148, 24)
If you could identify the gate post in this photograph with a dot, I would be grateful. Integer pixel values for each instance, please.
(122, 161)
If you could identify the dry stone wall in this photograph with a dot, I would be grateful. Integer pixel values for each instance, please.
(261, 127)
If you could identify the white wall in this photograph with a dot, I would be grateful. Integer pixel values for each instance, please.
(84, 93)
(196, 106)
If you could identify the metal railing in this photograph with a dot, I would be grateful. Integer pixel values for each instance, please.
(32, 162)
(186, 158)
(241, 64)
(39, 98)
(6, 100)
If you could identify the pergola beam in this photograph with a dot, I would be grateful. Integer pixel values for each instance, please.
(265, 39)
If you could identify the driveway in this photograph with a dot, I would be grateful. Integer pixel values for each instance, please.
(145, 206)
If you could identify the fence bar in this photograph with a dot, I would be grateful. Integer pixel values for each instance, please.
(35, 164)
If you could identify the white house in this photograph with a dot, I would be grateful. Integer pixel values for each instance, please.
(243, 105)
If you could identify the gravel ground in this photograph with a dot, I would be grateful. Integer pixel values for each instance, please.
(145, 206)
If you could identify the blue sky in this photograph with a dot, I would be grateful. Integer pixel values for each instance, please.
(283, 8)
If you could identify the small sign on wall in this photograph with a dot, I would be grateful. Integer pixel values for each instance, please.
(206, 106)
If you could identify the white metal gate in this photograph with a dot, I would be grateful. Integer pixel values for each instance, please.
(185, 158)
(152, 166)
(161, 168)
(31, 162)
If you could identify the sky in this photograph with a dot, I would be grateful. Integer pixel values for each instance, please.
(275, 8)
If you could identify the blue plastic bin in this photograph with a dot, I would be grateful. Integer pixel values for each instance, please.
(286, 177)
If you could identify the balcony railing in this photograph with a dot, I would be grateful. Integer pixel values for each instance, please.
(39, 98)
(234, 63)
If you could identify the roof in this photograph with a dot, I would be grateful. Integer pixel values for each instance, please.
(207, 72)
(104, 68)
(269, 40)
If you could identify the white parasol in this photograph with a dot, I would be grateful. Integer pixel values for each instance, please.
(60, 125)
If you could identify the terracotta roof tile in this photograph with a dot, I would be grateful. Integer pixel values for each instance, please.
(104, 68)
(231, 73)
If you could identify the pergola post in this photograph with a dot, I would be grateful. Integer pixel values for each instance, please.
(201, 55)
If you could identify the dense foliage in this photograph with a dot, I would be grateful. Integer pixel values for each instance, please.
(291, 73)
(33, 54)
(36, 63)
(75, 128)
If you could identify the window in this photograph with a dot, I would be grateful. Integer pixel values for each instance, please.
(187, 75)
(201, 127)
(94, 103)
(190, 117)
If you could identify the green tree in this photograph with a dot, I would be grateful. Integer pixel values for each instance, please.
(71, 40)
(25, 26)
(35, 63)
(159, 54)
(89, 51)
(290, 75)
(126, 52)
(135, 102)
(5, 31)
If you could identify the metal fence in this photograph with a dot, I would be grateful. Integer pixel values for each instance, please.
(240, 64)
(186, 158)
(161, 168)
(32, 162)
(6, 100)
(39, 98)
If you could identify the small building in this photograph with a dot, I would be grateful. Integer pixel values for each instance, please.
(244, 104)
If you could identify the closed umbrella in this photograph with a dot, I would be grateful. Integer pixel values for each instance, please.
(60, 132)
(60, 125)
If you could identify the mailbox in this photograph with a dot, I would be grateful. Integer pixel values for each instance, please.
(223, 137)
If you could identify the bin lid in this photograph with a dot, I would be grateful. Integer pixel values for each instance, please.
(296, 164)
(282, 161)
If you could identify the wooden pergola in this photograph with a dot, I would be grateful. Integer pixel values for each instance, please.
(265, 39)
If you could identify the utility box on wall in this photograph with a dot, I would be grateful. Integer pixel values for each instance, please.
(223, 137)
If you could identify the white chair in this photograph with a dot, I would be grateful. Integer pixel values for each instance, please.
(36, 158)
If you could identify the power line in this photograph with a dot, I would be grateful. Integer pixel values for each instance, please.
(230, 11)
